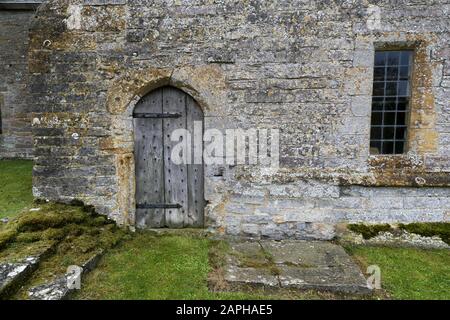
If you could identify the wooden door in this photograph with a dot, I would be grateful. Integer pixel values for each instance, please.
(167, 194)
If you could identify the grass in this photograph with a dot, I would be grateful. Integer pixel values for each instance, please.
(166, 267)
(409, 273)
(177, 267)
(154, 267)
(174, 266)
(15, 186)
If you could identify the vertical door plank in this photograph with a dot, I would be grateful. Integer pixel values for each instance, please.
(195, 216)
(149, 162)
(174, 101)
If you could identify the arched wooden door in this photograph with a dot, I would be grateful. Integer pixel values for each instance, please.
(167, 194)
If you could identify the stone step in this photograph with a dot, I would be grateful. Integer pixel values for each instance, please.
(293, 265)
(61, 287)
(14, 274)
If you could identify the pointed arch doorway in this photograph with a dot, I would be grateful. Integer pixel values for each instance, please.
(167, 194)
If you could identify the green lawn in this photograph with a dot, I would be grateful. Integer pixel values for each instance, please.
(155, 267)
(409, 273)
(15, 186)
(177, 266)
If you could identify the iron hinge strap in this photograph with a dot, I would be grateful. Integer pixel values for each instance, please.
(158, 206)
(156, 115)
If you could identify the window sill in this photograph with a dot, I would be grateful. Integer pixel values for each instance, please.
(404, 170)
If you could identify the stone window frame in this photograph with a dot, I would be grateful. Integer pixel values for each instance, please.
(407, 169)
(402, 46)
(421, 94)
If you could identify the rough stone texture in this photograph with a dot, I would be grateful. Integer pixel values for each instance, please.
(302, 265)
(15, 108)
(304, 67)
(12, 275)
(58, 288)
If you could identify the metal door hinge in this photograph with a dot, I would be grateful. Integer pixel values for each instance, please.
(158, 206)
(156, 115)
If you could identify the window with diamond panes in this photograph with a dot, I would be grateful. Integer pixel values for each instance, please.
(390, 101)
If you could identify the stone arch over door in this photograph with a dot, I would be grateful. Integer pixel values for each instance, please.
(168, 193)
(204, 83)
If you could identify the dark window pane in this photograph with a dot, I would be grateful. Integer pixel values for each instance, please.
(403, 88)
(390, 101)
(380, 58)
(376, 118)
(403, 103)
(401, 118)
(378, 74)
(393, 58)
(378, 88)
(404, 73)
(375, 147)
(377, 104)
(375, 133)
(405, 58)
(399, 147)
(388, 133)
(391, 88)
(390, 104)
(388, 147)
(400, 133)
(391, 73)
(389, 118)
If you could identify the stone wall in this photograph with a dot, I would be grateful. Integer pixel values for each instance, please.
(309, 210)
(16, 137)
(304, 67)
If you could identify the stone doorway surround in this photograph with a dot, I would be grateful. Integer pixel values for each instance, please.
(204, 83)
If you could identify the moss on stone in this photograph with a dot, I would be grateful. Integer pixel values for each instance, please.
(426, 229)
(50, 216)
(75, 232)
(260, 259)
(429, 229)
(7, 235)
(29, 237)
(217, 253)
(17, 251)
(369, 231)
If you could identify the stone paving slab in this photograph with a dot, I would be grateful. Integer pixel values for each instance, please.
(237, 276)
(302, 265)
